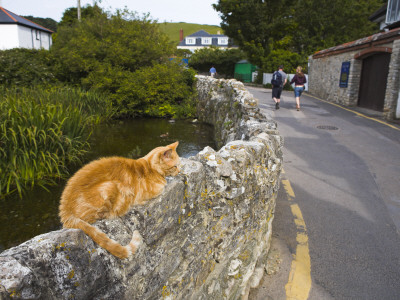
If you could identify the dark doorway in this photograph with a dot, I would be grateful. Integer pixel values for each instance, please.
(375, 69)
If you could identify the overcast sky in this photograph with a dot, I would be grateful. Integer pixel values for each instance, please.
(189, 11)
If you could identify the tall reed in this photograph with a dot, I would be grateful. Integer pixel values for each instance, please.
(43, 131)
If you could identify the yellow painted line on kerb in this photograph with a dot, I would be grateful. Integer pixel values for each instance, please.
(356, 112)
(299, 282)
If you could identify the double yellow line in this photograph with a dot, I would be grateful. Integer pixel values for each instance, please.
(299, 283)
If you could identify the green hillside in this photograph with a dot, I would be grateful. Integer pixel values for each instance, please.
(172, 29)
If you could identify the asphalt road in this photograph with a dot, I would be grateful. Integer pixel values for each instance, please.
(344, 169)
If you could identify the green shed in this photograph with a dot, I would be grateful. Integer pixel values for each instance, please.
(243, 71)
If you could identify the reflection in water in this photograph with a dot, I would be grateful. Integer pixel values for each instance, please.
(37, 212)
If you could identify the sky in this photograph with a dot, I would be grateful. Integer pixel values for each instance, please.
(189, 11)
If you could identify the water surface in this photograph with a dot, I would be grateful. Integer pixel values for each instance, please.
(37, 212)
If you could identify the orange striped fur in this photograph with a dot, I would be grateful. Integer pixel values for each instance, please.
(108, 187)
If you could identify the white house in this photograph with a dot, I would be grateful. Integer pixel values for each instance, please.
(18, 32)
(202, 39)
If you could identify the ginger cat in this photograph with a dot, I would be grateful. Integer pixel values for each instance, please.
(108, 187)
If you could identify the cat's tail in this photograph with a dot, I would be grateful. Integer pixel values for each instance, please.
(104, 241)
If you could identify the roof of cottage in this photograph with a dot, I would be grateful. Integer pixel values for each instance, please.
(372, 40)
(8, 17)
(203, 33)
(381, 12)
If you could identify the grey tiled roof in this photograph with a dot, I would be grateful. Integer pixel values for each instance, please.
(203, 33)
(8, 17)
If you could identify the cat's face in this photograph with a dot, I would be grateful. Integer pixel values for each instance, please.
(165, 159)
(171, 160)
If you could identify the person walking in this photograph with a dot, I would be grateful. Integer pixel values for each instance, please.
(278, 80)
(299, 80)
(213, 71)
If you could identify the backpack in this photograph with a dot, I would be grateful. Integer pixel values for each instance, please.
(276, 79)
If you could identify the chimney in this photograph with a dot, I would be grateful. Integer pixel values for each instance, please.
(180, 34)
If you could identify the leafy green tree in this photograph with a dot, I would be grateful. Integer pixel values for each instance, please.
(184, 53)
(128, 58)
(266, 28)
(322, 24)
(70, 15)
(101, 43)
(223, 60)
(160, 90)
(25, 67)
(254, 24)
(49, 23)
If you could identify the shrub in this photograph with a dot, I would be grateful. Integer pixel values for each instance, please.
(223, 60)
(290, 61)
(25, 67)
(102, 42)
(161, 90)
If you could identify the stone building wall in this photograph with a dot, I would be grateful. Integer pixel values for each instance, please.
(391, 110)
(205, 237)
(324, 75)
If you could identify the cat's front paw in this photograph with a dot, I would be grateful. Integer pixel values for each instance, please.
(136, 241)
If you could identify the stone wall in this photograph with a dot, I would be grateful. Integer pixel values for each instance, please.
(205, 237)
(324, 77)
(391, 108)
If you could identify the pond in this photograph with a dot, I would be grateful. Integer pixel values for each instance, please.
(37, 212)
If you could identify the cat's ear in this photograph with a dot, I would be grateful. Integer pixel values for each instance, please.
(173, 146)
(167, 154)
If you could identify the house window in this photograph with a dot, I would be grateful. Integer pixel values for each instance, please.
(393, 11)
(190, 41)
(206, 41)
(222, 41)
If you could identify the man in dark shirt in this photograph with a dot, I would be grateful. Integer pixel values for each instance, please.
(277, 90)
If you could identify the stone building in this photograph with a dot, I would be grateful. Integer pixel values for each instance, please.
(364, 73)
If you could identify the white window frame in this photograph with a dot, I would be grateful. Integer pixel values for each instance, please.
(393, 11)
(190, 41)
(206, 40)
(223, 41)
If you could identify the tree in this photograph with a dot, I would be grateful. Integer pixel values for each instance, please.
(263, 28)
(49, 23)
(223, 60)
(70, 15)
(160, 90)
(108, 44)
(254, 24)
(126, 57)
(322, 24)
(14, 69)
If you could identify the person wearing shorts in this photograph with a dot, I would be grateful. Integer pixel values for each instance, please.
(277, 90)
(299, 80)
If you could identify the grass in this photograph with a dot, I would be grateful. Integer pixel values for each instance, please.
(172, 29)
(42, 132)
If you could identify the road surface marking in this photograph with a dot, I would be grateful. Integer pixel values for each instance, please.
(299, 282)
(355, 112)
